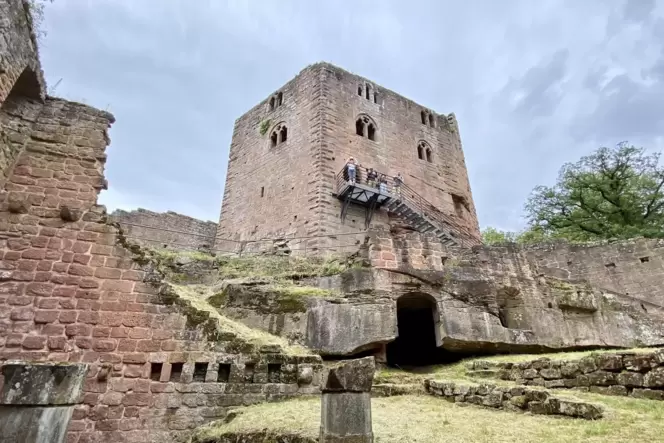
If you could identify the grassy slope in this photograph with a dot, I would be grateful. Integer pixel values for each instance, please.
(427, 419)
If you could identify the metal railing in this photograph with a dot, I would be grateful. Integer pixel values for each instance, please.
(414, 201)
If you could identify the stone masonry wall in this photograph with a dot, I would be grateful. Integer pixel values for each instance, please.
(70, 291)
(320, 107)
(634, 268)
(167, 229)
(638, 375)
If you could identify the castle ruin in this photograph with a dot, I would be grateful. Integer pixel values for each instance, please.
(411, 286)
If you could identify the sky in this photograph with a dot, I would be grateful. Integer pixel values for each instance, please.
(534, 84)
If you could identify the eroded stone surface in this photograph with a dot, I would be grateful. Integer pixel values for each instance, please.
(350, 376)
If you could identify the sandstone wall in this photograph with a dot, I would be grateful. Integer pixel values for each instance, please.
(634, 268)
(71, 291)
(167, 229)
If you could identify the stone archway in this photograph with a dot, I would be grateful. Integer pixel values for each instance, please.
(418, 339)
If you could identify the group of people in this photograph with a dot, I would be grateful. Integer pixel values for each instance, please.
(374, 179)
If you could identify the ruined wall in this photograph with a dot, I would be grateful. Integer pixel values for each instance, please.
(320, 107)
(634, 267)
(167, 229)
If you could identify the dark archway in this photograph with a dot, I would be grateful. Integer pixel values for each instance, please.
(416, 344)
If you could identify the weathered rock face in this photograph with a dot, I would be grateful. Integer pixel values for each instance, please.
(37, 401)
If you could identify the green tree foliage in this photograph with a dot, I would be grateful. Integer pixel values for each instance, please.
(611, 194)
(493, 236)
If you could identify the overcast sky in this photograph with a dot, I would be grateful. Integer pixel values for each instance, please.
(533, 83)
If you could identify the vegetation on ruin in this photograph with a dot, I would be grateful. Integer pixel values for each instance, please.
(613, 193)
(424, 419)
(264, 126)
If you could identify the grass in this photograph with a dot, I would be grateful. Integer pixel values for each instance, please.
(243, 333)
(427, 419)
(457, 371)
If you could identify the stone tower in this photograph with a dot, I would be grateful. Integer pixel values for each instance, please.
(287, 154)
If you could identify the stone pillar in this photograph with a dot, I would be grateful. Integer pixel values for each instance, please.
(346, 402)
(37, 400)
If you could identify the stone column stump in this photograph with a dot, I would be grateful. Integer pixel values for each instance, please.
(346, 402)
(37, 400)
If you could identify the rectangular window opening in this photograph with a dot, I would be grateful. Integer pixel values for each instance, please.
(224, 373)
(249, 369)
(155, 371)
(200, 370)
(274, 373)
(176, 371)
(610, 265)
(644, 259)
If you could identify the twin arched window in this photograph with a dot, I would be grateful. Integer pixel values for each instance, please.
(276, 100)
(428, 118)
(278, 135)
(365, 127)
(367, 91)
(424, 151)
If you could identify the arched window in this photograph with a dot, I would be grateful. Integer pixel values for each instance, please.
(376, 97)
(366, 127)
(431, 121)
(424, 151)
(359, 90)
(424, 117)
(367, 89)
(280, 99)
(272, 103)
(278, 135)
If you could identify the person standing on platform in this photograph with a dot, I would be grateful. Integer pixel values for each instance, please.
(382, 184)
(398, 181)
(351, 169)
(371, 177)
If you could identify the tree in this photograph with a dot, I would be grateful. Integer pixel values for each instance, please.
(492, 236)
(612, 193)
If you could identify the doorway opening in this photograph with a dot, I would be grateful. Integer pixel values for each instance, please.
(416, 344)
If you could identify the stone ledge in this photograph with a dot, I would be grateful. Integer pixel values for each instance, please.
(513, 398)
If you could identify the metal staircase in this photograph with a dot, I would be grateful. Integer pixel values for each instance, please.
(417, 212)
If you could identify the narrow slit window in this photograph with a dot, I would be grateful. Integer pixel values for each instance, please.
(431, 121)
(359, 91)
(428, 152)
(272, 103)
(375, 97)
(359, 127)
(371, 132)
(424, 117)
(284, 134)
(420, 152)
(200, 370)
(280, 99)
(176, 372)
(155, 371)
(274, 138)
(367, 90)
(262, 191)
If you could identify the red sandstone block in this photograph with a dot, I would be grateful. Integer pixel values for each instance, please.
(47, 232)
(139, 333)
(90, 317)
(136, 319)
(127, 345)
(45, 265)
(90, 398)
(84, 342)
(110, 358)
(13, 340)
(112, 398)
(34, 254)
(46, 316)
(120, 384)
(34, 342)
(136, 399)
(133, 275)
(387, 256)
(51, 329)
(39, 289)
(67, 303)
(57, 343)
(161, 334)
(80, 247)
(131, 411)
(135, 358)
(80, 412)
(43, 276)
(142, 385)
(67, 257)
(135, 307)
(11, 255)
(81, 270)
(52, 254)
(89, 283)
(148, 346)
(118, 285)
(110, 319)
(87, 294)
(22, 314)
(60, 267)
(76, 425)
(20, 300)
(134, 371)
(145, 288)
(120, 332)
(114, 306)
(27, 265)
(168, 345)
(99, 249)
(81, 259)
(104, 345)
(23, 275)
(87, 305)
(101, 332)
(18, 244)
(108, 273)
(64, 291)
(54, 243)
(98, 260)
(78, 330)
(87, 236)
(68, 316)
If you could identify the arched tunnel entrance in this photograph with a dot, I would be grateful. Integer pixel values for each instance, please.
(416, 344)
